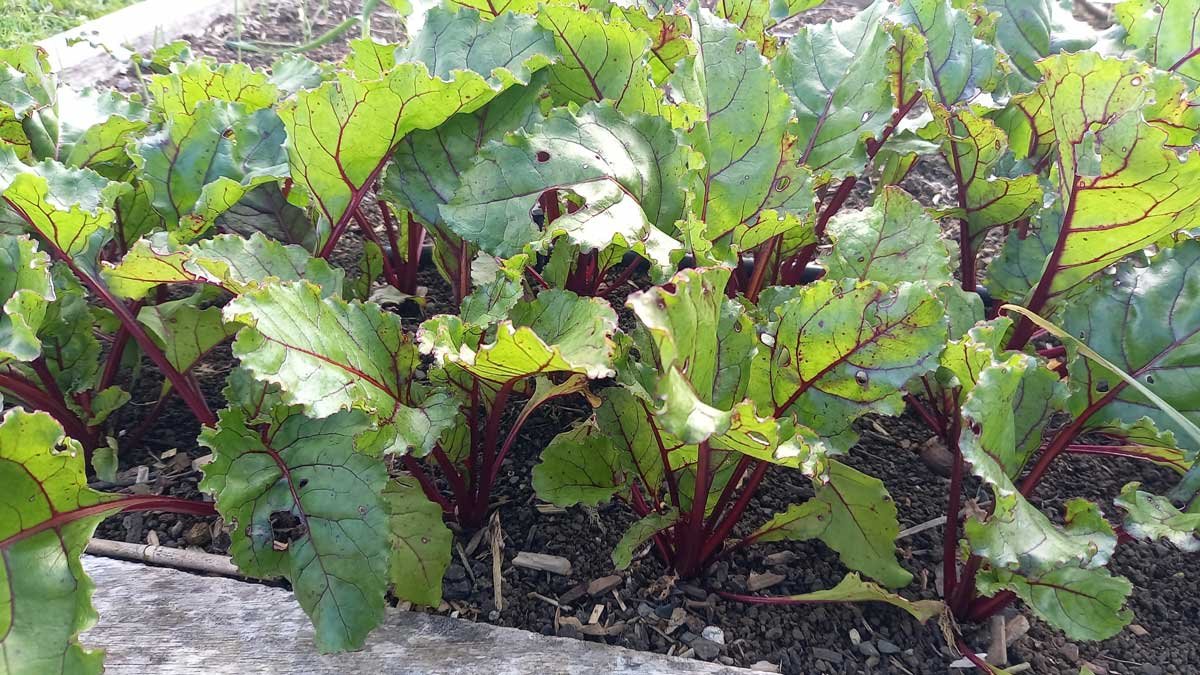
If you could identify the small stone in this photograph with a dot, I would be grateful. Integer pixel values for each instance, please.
(176, 529)
(134, 527)
(774, 633)
(936, 456)
(887, 647)
(603, 585)
(493, 615)
(781, 558)
(1151, 669)
(706, 650)
(695, 592)
(758, 582)
(823, 666)
(868, 649)
(1016, 628)
(872, 661)
(827, 655)
(1070, 652)
(665, 611)
(713, 634)
(198, 534)
(1138, 630)
(645, 610)
(855, 637)
(455, 573)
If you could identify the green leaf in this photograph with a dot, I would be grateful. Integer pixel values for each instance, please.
(48, 514)
(862, 524)
(204, 161)
(741, 128)
(184, 331)
(602, 59)
(957, 66)
(94, 130)
(893, 240)
(179, 92)
(1121, 190)
(633, 431)
(837, 77)
(425, 171)
(974, 147)
(639, 533)
(1086, 604)
(1002, 425)
(669, 32)
(1028, 30)
(1149, 516)
(839, 349)
(25, 290)
(627, 170)
(308, 508)
(756, 17)
(1166, 34)
(800, 522)
(420, 542)
(1014, 273)
(680, 322)
(1153, 342)
(328, 355)
(1142, 440)
(70, 209)
(455, 38)
(557, 332)
(579, 466)
(341, 134)
(235, 263)
(853, 589)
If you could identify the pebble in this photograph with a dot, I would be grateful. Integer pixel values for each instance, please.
(706, 649)
(827, 655)
(774, 633)
(1151, 669)
(695, 592)
(887, 647)
(714, 634)
(1070, 652)
(868, 649)
(645, 610)
(455, 573)
(198, 534)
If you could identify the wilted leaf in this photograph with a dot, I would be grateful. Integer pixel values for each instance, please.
(1149, 516)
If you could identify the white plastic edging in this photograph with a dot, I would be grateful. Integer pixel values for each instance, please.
(101, 48)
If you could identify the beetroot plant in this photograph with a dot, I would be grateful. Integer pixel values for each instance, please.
(553, 152)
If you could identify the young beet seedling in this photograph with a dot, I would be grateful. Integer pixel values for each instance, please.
(502, 348)
(710, 400)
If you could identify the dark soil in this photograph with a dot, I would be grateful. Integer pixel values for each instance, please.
(650, 610)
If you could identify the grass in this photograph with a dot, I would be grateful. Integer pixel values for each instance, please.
(26, 21)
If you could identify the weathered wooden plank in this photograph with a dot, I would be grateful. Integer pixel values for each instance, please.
(101, 48)
(167, 622)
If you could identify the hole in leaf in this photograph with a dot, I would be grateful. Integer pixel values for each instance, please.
(542, 156)
(1137, 82)
(286, 527)
(1149, 379)
(302, 483)
(1102, 386)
